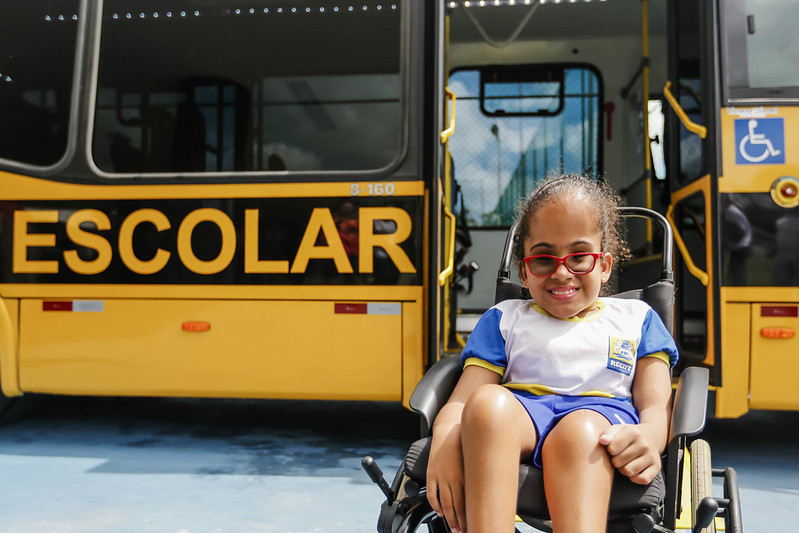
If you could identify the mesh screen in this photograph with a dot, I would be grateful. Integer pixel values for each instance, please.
(498, 160)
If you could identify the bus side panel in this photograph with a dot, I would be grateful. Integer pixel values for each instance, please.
(758, 365)
(9, 324)
(775, 356)
(255, 349)
(732, 399)
(413, 342)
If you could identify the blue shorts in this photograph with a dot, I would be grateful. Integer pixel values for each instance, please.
(546, 411)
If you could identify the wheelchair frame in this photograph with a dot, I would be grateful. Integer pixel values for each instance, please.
(406, 508)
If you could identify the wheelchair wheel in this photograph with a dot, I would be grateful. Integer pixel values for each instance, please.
(422, 519)
(701, 478)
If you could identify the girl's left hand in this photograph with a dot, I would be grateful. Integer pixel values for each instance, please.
(631, 452)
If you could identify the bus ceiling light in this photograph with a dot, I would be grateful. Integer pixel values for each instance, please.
(483, 3)
(785, 191)
(294, 10)
(49, 18)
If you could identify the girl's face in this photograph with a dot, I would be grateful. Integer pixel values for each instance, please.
(561, 227)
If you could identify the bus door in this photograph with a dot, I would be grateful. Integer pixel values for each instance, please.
(758, 206)
(692, 173)
(734, 196)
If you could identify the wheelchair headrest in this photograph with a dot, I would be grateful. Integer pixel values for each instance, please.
(659, 296)
(507, 290)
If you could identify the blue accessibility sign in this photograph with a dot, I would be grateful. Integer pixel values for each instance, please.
(759, 141)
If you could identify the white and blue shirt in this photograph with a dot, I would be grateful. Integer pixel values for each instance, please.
(593, 356)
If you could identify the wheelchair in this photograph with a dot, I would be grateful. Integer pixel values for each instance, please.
(679, 499)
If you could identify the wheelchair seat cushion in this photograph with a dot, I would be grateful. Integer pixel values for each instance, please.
(626, 497)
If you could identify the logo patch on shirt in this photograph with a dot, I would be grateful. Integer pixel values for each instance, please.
(621, 355)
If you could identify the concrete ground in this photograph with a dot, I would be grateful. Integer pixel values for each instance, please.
(194, 466)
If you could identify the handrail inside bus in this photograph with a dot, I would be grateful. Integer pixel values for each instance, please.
(697, 272)
(445, 274)
(690, 125)
(447, 133)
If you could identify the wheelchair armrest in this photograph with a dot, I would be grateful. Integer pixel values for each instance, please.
(434, 390)
(687, 418)
(690, 403)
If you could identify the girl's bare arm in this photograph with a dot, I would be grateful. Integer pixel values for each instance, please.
(635, 449)
(445, 466)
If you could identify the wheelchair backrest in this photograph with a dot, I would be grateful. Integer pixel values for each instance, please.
(659, 294)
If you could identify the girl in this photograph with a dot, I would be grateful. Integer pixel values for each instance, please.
(578, 384)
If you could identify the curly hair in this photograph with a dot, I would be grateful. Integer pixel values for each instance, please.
(594, 195)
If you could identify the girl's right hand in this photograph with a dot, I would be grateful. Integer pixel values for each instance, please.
(445, 481)
(445, 488)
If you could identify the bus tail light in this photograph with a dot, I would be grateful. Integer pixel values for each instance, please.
(196, 326)
(777, 333)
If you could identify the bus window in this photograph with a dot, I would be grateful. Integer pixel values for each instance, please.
(688, 90)
(760, 242)
(522, 91)
(760, 44)
(266, 87)
(656, 123)
(512, 135)
(691, 330)
(37, 63)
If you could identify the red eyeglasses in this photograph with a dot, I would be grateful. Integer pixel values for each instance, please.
(578, 264)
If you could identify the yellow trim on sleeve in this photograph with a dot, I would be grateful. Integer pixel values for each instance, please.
(538, 390)
(663, 356)
(476, 361)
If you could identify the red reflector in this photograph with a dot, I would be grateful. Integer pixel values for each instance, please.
(351, 309)
(777, 333)
(779, 310)
(196, 325)
(56, 306)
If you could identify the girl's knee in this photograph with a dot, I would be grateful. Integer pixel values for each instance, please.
(493, 421)
(579, 431)
(489, 406)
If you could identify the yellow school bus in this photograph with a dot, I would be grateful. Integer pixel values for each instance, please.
(308, 198)
(211, 199)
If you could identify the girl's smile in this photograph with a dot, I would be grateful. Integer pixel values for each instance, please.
(563, 293)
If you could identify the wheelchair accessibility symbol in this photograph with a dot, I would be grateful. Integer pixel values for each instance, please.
(760, 141)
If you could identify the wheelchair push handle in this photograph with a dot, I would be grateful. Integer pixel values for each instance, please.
(507, 253)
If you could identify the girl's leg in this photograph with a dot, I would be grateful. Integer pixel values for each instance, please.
(496, 432)
(577, 473)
